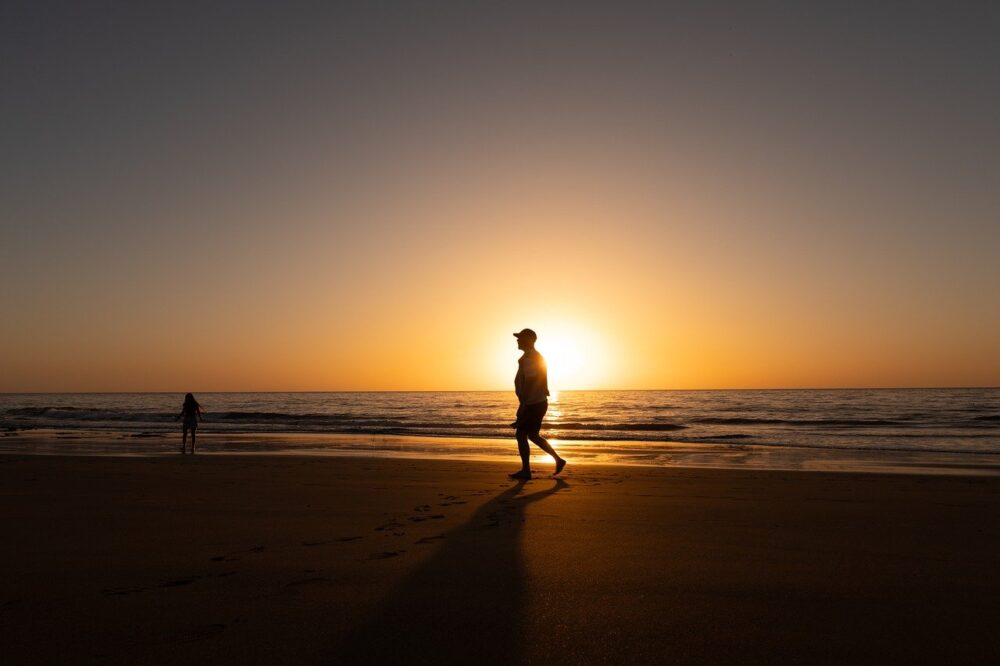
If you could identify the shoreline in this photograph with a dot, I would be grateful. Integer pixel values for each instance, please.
(626, 453)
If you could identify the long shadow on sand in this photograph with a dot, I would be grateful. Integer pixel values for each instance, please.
(466, 603)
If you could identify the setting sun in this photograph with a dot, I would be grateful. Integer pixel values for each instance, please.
(573, 355)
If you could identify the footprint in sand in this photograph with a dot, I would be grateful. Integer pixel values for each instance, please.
(233, 556)
(202, 632)
(122, 591)
(179, 582)
(337, 540)
(297, 586)
(430, 539)
(391, 528)
(420, 519)
(14, 603)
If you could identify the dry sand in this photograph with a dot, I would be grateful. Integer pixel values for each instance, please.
(338, 560)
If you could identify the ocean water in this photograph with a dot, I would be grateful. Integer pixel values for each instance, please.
(644, 426)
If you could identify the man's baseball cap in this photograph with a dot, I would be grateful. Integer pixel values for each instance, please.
(528, 334)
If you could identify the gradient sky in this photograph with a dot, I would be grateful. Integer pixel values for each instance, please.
(274, 196)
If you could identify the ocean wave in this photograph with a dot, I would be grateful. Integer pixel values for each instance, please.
(82, 414)
(650, 427)
(860, 423)
(887, 420)
(40, 411)
(279, 416)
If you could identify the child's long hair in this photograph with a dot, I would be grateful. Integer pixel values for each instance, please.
(191, 405)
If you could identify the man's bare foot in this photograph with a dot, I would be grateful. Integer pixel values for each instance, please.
(523, 475)
(560, 463)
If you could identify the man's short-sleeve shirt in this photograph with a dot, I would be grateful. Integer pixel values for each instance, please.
(531, 382)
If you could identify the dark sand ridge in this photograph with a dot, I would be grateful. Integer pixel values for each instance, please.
(318, 560)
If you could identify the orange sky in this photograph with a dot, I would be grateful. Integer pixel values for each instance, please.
(376, 201)
(682, 292)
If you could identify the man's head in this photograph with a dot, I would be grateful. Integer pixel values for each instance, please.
(526, 339)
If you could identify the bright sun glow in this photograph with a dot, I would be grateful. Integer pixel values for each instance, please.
(564, 360)
(577, 357)
(573, 356)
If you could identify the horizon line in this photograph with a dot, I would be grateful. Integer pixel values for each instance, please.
(647, 390)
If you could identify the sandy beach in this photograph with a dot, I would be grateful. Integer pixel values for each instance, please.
(350, 560)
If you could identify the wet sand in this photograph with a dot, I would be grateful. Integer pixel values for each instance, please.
(75, 442)
(291, 559)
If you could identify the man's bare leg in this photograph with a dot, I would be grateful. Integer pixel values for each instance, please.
(544, 445)
(525, 452)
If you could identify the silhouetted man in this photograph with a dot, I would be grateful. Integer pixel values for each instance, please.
(532, 387)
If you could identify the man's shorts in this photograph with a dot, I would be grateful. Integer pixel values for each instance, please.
(529, 417)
